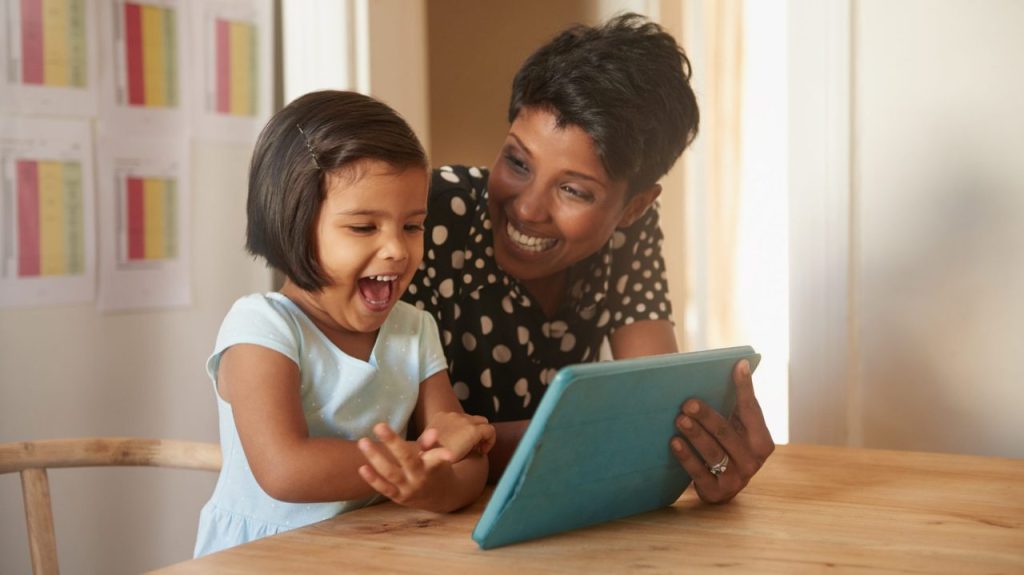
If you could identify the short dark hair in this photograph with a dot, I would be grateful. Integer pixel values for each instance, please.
(626, 84)
(318, 133)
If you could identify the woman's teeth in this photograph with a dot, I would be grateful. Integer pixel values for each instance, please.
(528, 243)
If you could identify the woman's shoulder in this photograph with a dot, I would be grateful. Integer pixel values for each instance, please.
(457, 180)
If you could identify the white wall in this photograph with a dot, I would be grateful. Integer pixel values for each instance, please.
(71, 371)
(935, 194)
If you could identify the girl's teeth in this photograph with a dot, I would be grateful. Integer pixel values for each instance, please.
(526, 242)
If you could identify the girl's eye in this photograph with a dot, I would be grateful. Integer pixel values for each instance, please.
(362, 229)
(516, 164)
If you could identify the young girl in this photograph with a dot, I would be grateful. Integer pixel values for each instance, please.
(337, 199)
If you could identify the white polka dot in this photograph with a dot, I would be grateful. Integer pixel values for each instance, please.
(643, 235)
(568, 342)
(618, 239)
(474, 294)
(662, 306)
(458, 259)
(626, 300)
(447, 337)
(648, 252)
(431, 272)
(447, 288)
(491, 278)
(587, 313)
(641, 307)
(480, 264)
(638, 286)
(439, 235)
(450, 176)
(475, 172)
(479, 238)
(419, 305)
(430, 254)
(526, 400)
(461, 390)
(529, 348)
(468, 341)
(489, 252)
(657, 286)
(506, 304)
(412, 289)
(467, 278)
(458, 206)
(647, 274)
(657, 264)
(486, 325)
(501, 354)
(485, 378)
(654, 315)
(649, 295)
(635, 265)
(603, 320)
(497, 404)
(456, 311)
(629, 320)
(620, 286)
(558, 328)
(524, 335)
(521, 387)
(487, 224)
(618, 315)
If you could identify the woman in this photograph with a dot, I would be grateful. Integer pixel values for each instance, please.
(531, 265)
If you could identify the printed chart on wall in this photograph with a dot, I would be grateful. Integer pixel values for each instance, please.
(233, 41)
(142, 43)
(48, 56)
(144, 225)
(47, 231)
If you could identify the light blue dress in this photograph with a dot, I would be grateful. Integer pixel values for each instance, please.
(342, 397)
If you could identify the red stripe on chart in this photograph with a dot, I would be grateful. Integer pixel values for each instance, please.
(133, 54)
(28, 218)
(32, 41)
(223, 66)
(136, 219)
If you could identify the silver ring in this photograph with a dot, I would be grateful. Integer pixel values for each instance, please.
(720, 467)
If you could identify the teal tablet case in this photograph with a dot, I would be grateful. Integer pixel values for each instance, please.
(597, 448)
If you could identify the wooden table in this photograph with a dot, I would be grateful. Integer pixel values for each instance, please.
(812, 509)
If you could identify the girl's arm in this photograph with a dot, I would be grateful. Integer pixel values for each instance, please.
(262, 387)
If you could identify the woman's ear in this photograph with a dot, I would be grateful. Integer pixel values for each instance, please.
(638, 204)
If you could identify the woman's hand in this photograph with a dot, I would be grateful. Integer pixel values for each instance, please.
(459, 433)
(400, 471)
(738, 447)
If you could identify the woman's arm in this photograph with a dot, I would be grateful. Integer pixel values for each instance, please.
(744, 437)
(262, 387)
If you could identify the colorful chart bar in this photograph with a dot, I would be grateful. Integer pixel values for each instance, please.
(51, 228)
(151, 54)
(236, 55)
(151, 225)
(53, 49)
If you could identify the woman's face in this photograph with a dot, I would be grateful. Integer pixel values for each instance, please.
(551, 202)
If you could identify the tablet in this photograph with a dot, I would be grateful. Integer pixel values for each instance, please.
(597, 448)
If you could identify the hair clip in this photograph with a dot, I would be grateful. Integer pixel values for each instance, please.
(309, 147)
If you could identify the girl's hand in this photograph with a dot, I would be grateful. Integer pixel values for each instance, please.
(400, 471)
(725, 454)
(459, 433)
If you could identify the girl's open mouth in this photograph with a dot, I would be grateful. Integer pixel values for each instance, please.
(378, 291)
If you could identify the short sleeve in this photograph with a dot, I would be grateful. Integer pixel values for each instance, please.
(432, 358)
(255, 319)
(638, 289)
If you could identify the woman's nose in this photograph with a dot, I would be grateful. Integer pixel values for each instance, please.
(531, 204)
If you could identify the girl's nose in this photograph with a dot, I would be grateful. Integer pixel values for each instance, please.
(394, 247)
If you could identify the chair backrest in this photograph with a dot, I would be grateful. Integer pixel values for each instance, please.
(33, 458)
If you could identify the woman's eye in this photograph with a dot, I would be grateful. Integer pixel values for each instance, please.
(414, 228)
(577, 193)
(517, 164)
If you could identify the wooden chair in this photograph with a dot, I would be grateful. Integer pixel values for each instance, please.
(33, 458)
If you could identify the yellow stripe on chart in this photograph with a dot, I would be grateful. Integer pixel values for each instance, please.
(55, 43)
(153, 58)
(241, 63)
(153, 202)
(51, 219)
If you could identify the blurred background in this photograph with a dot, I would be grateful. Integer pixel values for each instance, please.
(851, 208)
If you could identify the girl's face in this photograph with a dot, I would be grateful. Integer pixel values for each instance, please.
(551, 202)
(370, 241)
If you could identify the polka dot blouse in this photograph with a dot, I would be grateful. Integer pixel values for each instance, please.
(502, 350)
